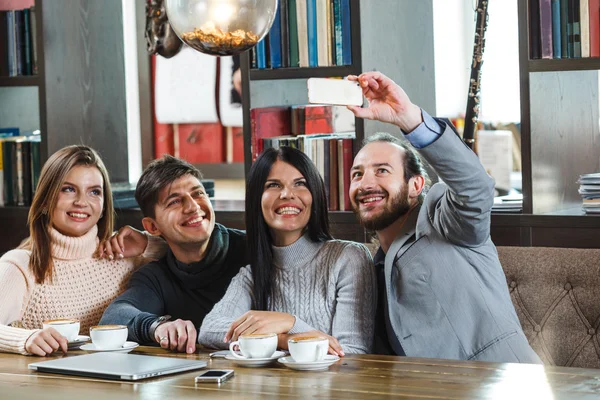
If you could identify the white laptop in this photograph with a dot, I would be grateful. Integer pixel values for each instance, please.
(118, 366)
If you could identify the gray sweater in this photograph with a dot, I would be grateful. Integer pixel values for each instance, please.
(328, 286)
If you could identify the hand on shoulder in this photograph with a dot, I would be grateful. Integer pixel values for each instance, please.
(126, 242)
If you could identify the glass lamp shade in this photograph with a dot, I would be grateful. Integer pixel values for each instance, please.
(221, 27)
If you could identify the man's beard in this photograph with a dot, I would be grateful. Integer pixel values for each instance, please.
(396, 207)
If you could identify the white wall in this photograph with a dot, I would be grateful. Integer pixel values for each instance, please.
(132, 91)
(452, 51)
(454, 30)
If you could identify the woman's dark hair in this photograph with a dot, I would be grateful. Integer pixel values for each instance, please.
(257, 231)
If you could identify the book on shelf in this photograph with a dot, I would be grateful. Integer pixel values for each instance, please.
(267, 122)
(309, 119)
(546, 28)
(332, 156)
(584, 27)
(556, 37)
(594, 10)
(510, 203)
(275, 41)
(564, 29)
(20, 169)
(589, 189)
(307, 33)
(285, 33)
(18, 52)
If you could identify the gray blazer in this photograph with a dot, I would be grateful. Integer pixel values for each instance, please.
(446, 290)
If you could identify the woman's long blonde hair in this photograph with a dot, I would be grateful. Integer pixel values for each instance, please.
(52, 177)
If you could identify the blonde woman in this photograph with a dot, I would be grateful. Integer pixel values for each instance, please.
(55, 273)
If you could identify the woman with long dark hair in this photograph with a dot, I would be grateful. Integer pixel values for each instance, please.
(55, 273)
(299, 279)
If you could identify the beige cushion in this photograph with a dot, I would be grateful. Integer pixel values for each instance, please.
(556, 293)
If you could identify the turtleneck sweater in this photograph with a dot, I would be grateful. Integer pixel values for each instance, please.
(82, 286)
(327, 286)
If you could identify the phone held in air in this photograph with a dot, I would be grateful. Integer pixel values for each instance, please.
(333, 91)
(215, 376)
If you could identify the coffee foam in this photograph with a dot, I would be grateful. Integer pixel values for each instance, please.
(307, 339)
(258, 335)
(107, 327)
(60, 321)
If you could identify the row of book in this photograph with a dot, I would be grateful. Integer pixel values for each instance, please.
(332, 155)
(307, 33)
(589, 189)
(19, 169)
(564, 28)
(305, 119)
(18, 53)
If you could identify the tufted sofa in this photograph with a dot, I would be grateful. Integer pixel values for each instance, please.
(556, 293)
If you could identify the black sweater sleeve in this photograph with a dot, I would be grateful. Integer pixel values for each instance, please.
(138, 307)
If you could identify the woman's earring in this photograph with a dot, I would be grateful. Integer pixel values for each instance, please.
(44, 211)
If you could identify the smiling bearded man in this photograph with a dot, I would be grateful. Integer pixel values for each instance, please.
(443, 293)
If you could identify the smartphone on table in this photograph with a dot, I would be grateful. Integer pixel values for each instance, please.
(214, 375)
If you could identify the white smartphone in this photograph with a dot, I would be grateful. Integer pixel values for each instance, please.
(219, 354)
(215, 375)
(339, 92)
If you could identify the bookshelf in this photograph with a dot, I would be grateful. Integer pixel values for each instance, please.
(79, 94)
(559, 141)
(33, 81)
(404, 21)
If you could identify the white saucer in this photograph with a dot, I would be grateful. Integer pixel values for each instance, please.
(255, 362)
(126, 348)
(309, 366)
(78, 341)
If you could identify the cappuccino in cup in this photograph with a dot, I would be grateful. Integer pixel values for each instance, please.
(108, 337)
(255, 345)
(308, 348)
(69, 328)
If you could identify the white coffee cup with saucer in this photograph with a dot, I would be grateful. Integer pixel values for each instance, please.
(308, 348)
(108, 337)
(257, 350)
(255, 346)
(69, 328)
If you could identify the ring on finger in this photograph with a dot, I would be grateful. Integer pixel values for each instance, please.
(163, 338)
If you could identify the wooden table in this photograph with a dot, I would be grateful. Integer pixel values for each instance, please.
(353, 377)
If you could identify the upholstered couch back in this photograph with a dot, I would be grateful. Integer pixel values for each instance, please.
(556, 293)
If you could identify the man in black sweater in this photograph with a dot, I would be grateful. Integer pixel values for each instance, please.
(166, 300)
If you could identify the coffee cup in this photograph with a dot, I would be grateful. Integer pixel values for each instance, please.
(308, 348)
(255, 346)
(106, 337)
(69, 328)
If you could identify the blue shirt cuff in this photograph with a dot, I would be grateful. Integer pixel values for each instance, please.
(426, 133)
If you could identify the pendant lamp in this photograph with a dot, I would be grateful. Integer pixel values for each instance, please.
(221, 27)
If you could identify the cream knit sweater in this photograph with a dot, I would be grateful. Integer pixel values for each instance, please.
(81, 288)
